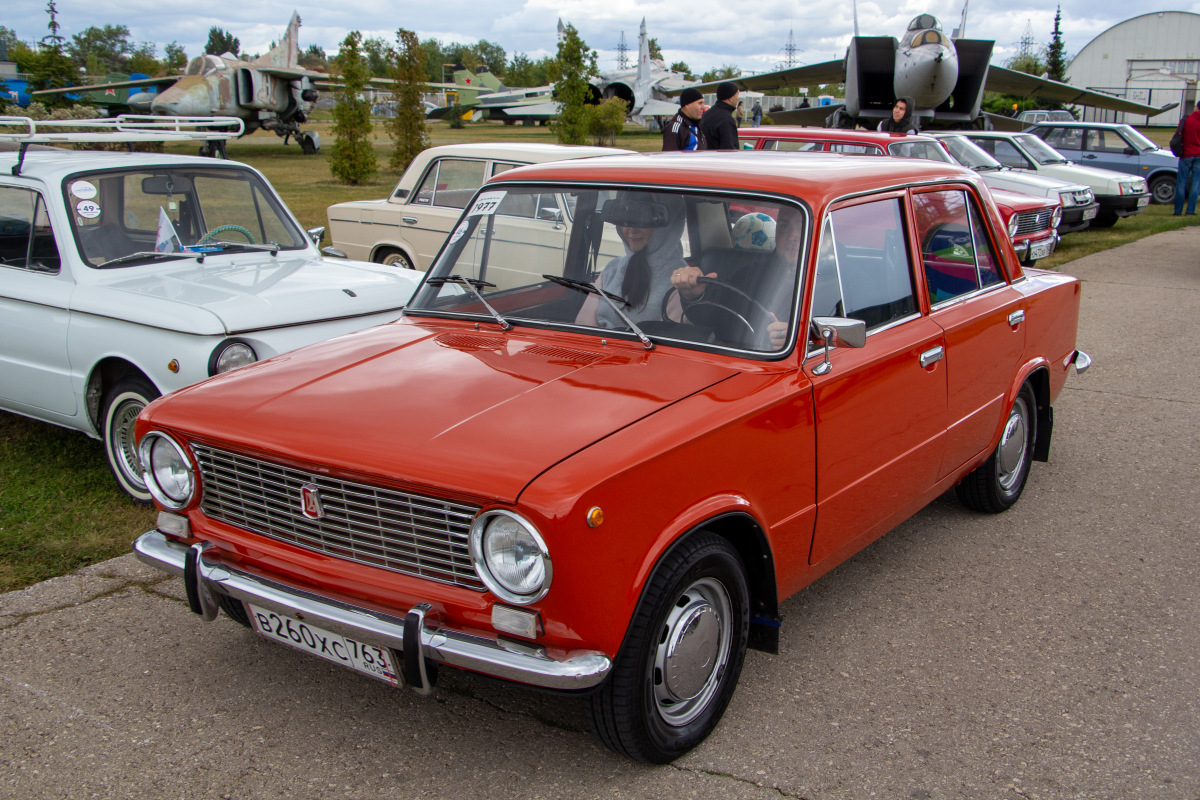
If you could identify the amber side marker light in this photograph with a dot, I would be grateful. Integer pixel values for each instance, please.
(173, 365)
(595, 517)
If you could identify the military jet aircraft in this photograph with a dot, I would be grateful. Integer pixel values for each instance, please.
(272, 92)
(945, 75)
(645, 89)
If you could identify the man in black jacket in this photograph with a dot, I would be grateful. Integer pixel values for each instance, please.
(681, 132)
(717, 125)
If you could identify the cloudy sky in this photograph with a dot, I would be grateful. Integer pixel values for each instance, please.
(702, 33)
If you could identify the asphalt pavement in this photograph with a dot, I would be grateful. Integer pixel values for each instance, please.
(1049, 652)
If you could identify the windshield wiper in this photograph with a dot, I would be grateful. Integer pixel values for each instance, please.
(270, 247)
(609, 298)
(473, 284)
(112, 262)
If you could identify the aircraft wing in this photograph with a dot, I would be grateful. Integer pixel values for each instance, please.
(1007, 81)
(326, 82)
(166, 81)
(809, 75)
(814, 116)
(537, 111)
(658, 108)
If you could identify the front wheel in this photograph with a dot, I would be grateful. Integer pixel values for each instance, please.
(681, 658)
(1162, 189)
(394, 258)
(996, 484)
(121, 408)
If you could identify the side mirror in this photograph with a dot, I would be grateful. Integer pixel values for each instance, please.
(317, 235)
(554, 215)
(1130, 150)
(333, 252)
(834, 331)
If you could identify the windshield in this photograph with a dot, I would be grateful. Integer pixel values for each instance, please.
(697, 270)
(117, 214)
(930, 151)
(969, 154)
(1039, 151)
(1137, 139)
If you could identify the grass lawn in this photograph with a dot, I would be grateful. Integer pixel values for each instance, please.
(60, 508)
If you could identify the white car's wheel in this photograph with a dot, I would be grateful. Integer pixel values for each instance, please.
(122, 405)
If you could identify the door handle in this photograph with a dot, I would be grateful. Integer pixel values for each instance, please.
(1089, 155)
(932, 356)
(1016, 318)
(409, 220)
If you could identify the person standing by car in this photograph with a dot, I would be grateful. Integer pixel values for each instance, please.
(719, 129)
(681, 132)
(902, 119)
(1187, 180)
(756, 115)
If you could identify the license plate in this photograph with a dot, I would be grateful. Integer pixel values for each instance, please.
(1041, 250)
(1091, 213)
(365, 658)
(1143, 201)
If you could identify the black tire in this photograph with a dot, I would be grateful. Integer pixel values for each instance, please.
(1105, 219)
(1162, 190)
(121, 406)
(390, 257)
(657, 704)
(307, 146)
(234, 609)
(996, 484)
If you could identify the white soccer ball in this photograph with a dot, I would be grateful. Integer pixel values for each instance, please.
(754, 232)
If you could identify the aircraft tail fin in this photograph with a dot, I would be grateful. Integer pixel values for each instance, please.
(641, 84)
(856, 17)
(961, 30)
(287, 52)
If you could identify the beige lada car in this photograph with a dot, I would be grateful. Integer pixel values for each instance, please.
(407, 229)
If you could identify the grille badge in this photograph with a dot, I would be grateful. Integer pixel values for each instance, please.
(310, 501)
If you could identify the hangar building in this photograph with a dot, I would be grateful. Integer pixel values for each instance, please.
(1152, 59)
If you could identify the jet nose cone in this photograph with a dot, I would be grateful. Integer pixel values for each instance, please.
(183, 101)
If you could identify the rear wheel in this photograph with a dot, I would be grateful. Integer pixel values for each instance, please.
(393, 258)
(997, 483)
(682, 656)
(1162, 189)
(121, 407)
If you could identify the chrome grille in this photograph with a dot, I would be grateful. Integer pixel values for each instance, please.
(1034, 221)
(408, 533)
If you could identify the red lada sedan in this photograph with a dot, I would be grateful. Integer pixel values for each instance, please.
(597, 462)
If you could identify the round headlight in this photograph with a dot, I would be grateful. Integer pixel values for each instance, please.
(1056, 217)
(1013, 223)
(166, 470)
(229, 355)
(510, 557)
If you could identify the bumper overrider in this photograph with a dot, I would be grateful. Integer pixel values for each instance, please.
(417, 637)
(1048, 243)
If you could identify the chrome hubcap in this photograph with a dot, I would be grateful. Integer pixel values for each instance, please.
(123, 444)
(1013, 445)
(692, 652)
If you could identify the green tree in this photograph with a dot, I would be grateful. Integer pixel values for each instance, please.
(174, 58)
(380, 56)
(490, 55)
(109, 46)
(407, 128)
(679, 66)
(655, 50)
(574, 64)
(434, 59)
(143, 60)
(352, 157)
(314, 58)
(722, 73)
(606, 121)
(8, 38)
(221, 42)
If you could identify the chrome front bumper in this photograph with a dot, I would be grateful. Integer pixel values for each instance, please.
(417, 631)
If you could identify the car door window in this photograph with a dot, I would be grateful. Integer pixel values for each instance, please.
(450, 183)
(1065, 138)
(1006, 153)
(842, 147)
(795, 147)
(863, 265)
(1102, 141)
(956, 252)
(26, 238)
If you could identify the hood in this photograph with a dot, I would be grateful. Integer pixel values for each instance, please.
(1090, 175)
(1041, 184)
(449, 408)
(242, 292)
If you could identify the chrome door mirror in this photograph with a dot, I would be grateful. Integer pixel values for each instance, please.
(317, 235)
(834, 331)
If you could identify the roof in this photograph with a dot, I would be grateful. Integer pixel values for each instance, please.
(827, 134)
(522, 151)
(817, 177)
(51, 166)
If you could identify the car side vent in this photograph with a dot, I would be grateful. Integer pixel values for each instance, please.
(562, 354)
(470, 341)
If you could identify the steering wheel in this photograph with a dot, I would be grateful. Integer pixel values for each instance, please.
(206, 238)
(706, 303)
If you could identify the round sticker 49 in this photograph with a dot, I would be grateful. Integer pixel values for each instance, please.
(486, 204)
(87, 209)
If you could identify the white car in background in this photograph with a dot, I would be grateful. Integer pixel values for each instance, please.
(95, 323)
(407, 228)
(1119, 195)
(1079, 206)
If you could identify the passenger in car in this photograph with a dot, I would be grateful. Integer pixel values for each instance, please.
(651, 227)
(769, 281)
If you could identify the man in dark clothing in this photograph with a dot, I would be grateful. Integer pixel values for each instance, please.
(681, 132)
(902, 119)
(717, 125)
(1187, 181)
